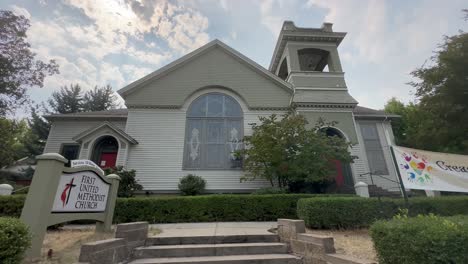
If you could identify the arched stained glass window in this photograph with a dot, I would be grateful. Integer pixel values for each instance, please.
(214, 132)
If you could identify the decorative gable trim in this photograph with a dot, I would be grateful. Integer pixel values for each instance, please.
(106, 124)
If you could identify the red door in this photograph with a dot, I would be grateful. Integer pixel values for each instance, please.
(108, 159)
(339, 178)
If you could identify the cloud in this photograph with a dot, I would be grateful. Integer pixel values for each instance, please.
(20, 11)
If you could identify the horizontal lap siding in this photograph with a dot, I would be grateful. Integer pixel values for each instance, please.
(158, 157)
(64, 131)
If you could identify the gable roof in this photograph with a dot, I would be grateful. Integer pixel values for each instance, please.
(108, 125)
(361, 112)
(198, 52)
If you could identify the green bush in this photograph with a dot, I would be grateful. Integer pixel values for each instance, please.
(208, 208)
(270, 190)
(192, 185)
(344, 212)
(355, 212)
(14, 240)
(11, 205)
(423, 239)
(128, 184)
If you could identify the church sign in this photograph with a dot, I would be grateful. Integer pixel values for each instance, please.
(60, 194)
(81, 192)
(435, 171)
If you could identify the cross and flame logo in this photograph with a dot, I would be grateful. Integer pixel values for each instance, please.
(66, 192)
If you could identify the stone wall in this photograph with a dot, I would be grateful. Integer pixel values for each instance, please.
(116, 250)
(315, 249)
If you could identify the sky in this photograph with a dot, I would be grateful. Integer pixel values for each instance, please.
(116, 42)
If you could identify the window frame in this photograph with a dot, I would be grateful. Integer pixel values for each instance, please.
(64, 145)
(226, 120)
(379, 149)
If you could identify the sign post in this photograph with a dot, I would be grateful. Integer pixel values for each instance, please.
(59, 194)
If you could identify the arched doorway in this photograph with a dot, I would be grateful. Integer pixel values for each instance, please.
(105, 152)
(343, 174)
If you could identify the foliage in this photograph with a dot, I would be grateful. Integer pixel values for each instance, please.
(14, 240)
(11, 205)
(354, 212)
(439, 120)
(282, 150)
(192, 185)
(73, 100)
(67, 100)
(12, 140)
(423, 239)
(128, 184)
(270, 190)
(208, 208)
(19, 69)
(99, 99)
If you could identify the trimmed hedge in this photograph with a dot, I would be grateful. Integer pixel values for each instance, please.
(14, 240)
(209, 208)
(355, 212)
(423, 239)
(11, 205)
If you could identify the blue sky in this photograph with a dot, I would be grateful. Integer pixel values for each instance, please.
(118, 41)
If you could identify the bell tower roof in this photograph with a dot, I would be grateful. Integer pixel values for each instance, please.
(289, 32)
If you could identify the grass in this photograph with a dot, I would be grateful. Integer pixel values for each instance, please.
(356, 243)
(66, 244)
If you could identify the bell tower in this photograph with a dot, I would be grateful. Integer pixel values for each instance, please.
(308, 59)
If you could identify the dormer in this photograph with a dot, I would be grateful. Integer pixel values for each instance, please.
(308, 59)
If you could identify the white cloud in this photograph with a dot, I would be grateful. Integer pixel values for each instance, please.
(20, 11)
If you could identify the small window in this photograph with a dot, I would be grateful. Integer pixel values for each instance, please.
(374, 151)
(214, 133)
(70, 151)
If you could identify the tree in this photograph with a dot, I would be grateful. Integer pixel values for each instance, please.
(282, 150)
(99, 99)
(36, 138)
(19, 69)
(67, 100)
(11, 141)
(128, 184)
(72, 100)
(442, 91)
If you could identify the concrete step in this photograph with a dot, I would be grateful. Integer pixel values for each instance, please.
(183, 240)
(198, 250)
(233, 259)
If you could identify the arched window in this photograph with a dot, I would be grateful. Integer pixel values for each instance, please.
(213, 133)
(311, 59)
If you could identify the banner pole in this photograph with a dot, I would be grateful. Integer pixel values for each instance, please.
(402, 186)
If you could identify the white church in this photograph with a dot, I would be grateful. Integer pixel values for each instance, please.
(190, 116)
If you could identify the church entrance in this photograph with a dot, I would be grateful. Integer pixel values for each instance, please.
(105, 152)
(343, 175)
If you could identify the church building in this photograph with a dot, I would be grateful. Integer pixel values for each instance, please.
(190, 116)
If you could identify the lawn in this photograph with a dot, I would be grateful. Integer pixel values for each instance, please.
(356, 243)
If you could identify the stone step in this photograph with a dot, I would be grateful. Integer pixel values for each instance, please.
(233, 259)
(183, 240)
(198, 250)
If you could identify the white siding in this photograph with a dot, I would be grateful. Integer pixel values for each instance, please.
(362, 165)
(158, 157)
(63, 132)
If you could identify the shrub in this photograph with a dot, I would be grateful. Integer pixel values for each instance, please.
(14, 240)
(344, 212)
(192, 185)
(208, 208)
(11, 205)
(270, 190)
(128, 184)
(422, 239)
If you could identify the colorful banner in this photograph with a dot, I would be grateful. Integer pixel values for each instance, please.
(426, 170)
